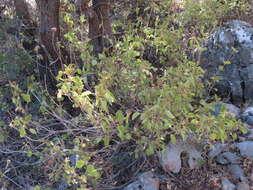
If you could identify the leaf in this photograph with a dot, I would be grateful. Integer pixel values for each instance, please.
(22, 132)
(150, 150)
(91, 171)
(169, 114)
(29, 154)
(120, 117)
(213, 136)
(173, 138)
(26, 97)
(227, 62)
(2, 138)
(121, 130)
(106, 140)
(80, 163)
(59, 95)
(243, 130)
(109, 97)
(234, 136)
(37, 187)
(82, 18)
(135, 115)
(33, 131)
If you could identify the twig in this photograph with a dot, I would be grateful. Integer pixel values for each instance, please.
(13, 181)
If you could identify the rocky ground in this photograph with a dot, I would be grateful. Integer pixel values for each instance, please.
(227, 166)
(228, 55)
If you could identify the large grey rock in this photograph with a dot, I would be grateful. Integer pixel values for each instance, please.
(243, 186)
(146, 181)
(237, 172)
(232, 43)
(247, 116)
(216, 150)
(227, 185)
(170, 158)
(230, 109)
(228, 158)
(246, 149)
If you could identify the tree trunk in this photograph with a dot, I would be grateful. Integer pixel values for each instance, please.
(25, 10)
(103, 28)
(49, 33)
(21, 7)
(99, 23)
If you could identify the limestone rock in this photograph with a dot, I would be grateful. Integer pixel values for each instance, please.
(246, 148)
(243, 186)
(170, 158)
(228, 55)
(146, 181)
(227, 185)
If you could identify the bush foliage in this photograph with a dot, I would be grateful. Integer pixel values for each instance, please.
(142, 92)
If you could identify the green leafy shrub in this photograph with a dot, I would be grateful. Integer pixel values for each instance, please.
(144, 93)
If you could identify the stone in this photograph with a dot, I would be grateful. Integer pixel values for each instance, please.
(251, 177)
(227, 185)
(237, 172)
(63, 185)
(243, 186)
(247, 116)
(228, 158)
(170, 158)
(230, 109)
(73, 159)
(246, 149)
(216, 150)
(146, 181)
(195, 158)
(228, 56)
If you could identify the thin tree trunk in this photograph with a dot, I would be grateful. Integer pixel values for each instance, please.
(21, 7)
(99, 23)
(27, 22)
(102, 10)
(49, 32)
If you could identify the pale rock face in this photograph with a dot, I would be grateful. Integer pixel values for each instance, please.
(170, 158)
(227, 185)
(146, 181)
(228, 55)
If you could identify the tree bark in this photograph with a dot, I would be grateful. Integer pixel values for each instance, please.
(103, 29)
(99, 23)
(49, 33)
(21, 7)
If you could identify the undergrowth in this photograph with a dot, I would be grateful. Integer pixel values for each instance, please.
(132, 100)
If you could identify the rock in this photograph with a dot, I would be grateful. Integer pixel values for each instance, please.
(228, 55)
(73, 159)
(250, 134)
(195, 158)
(63, 185)
(251, 177)
(243, 186)
(170, 158)
(228, 158)
(146, 181)
(247, 116)
(216, 150)
(232, 109)
(227, 185)
(246, 149)
(237, 172)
